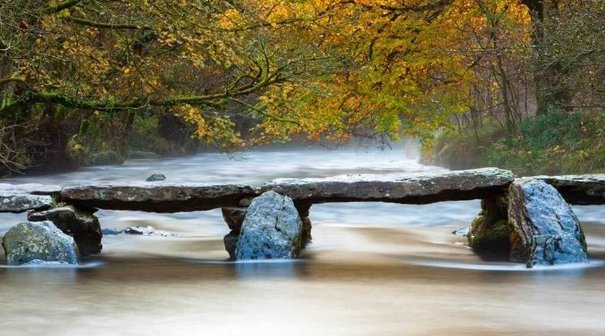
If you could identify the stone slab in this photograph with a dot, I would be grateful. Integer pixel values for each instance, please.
(396, 188)
(154, 197)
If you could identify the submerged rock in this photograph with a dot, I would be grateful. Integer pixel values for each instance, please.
(272, 229)
(156, 177)
(43, 241)
(111, 232)
(464, 231)
(547, 231)
(147, 231)
(82, 225)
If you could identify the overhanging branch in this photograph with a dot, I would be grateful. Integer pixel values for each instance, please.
(96, 24)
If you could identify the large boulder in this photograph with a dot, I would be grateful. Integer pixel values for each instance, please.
(546, 230)
(27, 242)
(272, 229)
(82, 225)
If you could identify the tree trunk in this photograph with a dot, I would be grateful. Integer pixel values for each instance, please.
(548, 76)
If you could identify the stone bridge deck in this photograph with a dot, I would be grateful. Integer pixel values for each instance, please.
(516, 214)
(394, 188)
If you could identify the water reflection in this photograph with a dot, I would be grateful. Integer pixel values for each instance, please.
(266, 269)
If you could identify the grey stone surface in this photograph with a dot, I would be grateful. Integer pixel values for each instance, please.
(82, 225)
(396, 188)
(112, 232)
(546, 230)
(23, 197)
(27, 242)
(272, 229)
(18, 203)
(414, 188)
(156, 177)
(156, 196)
(578, 189)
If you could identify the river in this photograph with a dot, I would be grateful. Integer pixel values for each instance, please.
(372, 268)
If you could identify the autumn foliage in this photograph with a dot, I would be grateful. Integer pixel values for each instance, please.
(325, 70)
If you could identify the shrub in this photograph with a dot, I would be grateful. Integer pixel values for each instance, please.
(558, 142)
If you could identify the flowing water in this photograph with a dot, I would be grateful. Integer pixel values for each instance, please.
(372, 268)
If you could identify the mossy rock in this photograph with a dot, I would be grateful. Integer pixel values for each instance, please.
(490, 230)
(490, 235)
(27, 242)
(80, 224)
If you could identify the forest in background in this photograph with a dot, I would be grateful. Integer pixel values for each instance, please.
(512, 83)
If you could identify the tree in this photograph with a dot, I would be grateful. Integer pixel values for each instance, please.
(122, 57)
(326, 70)
(572, 55)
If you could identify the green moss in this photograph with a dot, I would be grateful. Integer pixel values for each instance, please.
(489, 234)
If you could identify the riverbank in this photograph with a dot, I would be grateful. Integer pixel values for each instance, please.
(551, 144)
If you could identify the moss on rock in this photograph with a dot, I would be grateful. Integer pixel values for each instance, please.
(490, 230)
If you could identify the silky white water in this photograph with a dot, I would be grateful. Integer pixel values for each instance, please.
(372, 268)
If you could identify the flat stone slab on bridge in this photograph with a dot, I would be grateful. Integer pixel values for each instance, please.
(396, 188)
(23, 197)
(156, 197)
(579, 189)
(399, 188)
